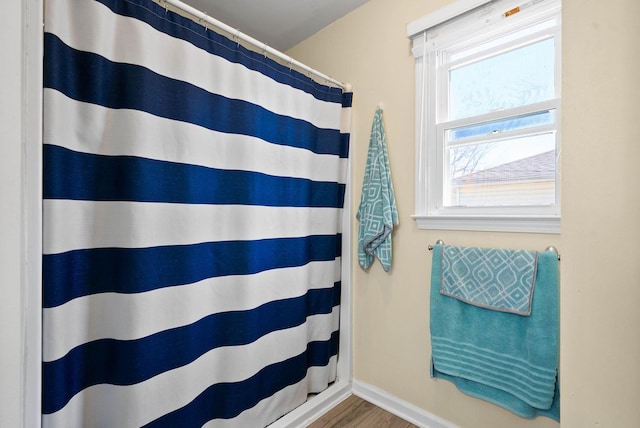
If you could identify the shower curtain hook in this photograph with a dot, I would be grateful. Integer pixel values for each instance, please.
(205, 21)
(264, 50)
(237, 37)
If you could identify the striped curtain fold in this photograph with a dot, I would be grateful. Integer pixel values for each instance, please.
(193, 197)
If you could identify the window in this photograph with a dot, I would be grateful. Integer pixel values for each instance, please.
(488, 115)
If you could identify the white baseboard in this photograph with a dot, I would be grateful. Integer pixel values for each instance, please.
(398, 407)
(315, 407)
(341, 390)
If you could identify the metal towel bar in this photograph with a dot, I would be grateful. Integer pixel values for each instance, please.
(549, 248)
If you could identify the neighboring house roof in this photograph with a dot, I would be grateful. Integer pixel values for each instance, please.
(538, 167)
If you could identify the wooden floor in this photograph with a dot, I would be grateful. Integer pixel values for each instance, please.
(356, 412)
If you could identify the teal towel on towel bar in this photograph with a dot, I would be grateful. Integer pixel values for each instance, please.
(504, 358)
(377, 212)
(493, 278)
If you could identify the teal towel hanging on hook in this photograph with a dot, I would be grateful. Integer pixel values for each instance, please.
(377, 212)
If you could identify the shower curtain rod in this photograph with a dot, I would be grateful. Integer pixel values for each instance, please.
(203, 17)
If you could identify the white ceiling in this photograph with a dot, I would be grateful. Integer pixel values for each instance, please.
(280, 24)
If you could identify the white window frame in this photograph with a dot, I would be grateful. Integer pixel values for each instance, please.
(473, 18)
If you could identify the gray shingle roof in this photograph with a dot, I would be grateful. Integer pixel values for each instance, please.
(538, 167)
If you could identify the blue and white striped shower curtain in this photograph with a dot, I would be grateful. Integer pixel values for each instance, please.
(193, 195)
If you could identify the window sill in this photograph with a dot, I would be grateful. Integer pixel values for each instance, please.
(490, 224)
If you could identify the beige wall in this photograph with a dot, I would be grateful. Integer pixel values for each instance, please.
(600, 240)
(601, 185)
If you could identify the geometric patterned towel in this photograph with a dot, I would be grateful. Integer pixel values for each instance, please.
(497, 279)
(377, 213)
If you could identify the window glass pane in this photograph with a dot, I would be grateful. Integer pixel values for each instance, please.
(515, 78)
(495, 127)
(514, 172)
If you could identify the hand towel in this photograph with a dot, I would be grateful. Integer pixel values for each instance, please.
(377, 212)
(504, 358)
(493, 278)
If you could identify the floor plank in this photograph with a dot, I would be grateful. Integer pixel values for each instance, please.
(356, 412)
